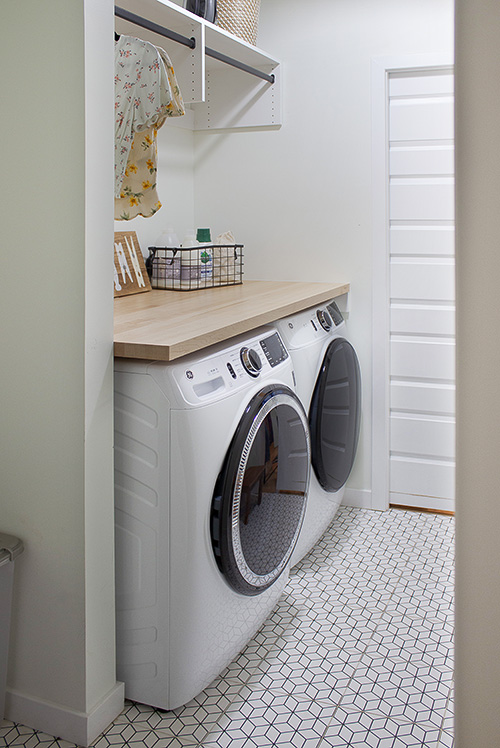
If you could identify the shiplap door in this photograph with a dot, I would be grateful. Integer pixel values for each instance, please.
(421, 289)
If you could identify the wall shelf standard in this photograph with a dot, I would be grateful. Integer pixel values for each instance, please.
(227, 82)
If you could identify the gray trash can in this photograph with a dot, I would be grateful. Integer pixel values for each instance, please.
(10, 548)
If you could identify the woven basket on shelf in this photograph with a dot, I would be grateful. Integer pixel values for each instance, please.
(240, 17)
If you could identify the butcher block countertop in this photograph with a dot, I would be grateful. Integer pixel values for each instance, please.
(165, 325)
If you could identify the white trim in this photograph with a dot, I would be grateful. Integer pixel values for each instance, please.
(380, 284)
(422, 502)
(358, 497)
(381, 67)
(76, 727)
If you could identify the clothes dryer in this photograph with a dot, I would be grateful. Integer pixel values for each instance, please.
(212, 459)
(329, 386)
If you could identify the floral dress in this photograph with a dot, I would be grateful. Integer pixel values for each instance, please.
(146, 93)
(138, 195)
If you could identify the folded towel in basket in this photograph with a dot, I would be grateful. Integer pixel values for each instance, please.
(224, 259)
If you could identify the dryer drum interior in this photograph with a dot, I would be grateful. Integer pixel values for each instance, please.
(335, 415)
(260, 495)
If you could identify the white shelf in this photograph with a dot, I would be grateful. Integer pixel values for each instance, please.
(223, 96)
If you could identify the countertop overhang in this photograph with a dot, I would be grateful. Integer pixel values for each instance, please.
(165, 325)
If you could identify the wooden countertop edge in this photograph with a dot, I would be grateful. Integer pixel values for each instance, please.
(173, 350)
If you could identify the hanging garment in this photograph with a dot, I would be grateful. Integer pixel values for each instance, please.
(175, 108)
(137, 195)
(142, 93)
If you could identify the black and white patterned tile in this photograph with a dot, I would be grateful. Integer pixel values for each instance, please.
(260, 718)
(399, 690)
(14, 735)
(358, 652)
(362, 729)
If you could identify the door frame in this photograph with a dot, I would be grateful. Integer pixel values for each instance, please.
(381, 68)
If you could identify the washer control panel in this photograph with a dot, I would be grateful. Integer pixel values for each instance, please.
(251, 361)
(335, 312)
(208, 378)
(324, 319)
(274, 350)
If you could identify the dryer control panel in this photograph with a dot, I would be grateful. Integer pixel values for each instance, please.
(311, 326)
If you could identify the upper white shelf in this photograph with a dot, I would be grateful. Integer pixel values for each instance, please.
(225, 96)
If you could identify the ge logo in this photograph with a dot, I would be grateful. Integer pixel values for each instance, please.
(290, 325)
(189, 374)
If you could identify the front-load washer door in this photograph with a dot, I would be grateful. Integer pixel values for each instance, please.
(260, 496)
(334, 415)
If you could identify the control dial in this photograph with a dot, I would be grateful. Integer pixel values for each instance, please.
(324, 319)
(251, 361)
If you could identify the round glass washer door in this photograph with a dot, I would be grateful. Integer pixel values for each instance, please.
(260, 495)
(335, 415)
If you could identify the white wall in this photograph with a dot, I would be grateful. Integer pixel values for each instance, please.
(299, 198)
(55, 378)
(175, 187)
(477, 721)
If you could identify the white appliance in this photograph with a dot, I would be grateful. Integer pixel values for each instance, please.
(212, 463)
(329, 386)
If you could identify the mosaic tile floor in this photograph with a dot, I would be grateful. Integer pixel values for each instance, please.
(357, 653)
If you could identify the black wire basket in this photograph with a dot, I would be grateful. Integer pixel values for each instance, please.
(193, 268)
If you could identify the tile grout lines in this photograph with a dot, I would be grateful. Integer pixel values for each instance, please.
(362, 630)
(351, 679)
(337, 706)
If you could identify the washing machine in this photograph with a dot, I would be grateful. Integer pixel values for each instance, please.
(212, 463)
(328, 383)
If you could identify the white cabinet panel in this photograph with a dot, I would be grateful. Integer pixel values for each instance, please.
(421, 119)
(422, 279)
(422, 160)
(236, 99)
(421, 288)
(422, 477)
(404, 84)
(422, 199)
(422, 240)
(423, 359)
(433, 436)
(422, 397)
(422, 319)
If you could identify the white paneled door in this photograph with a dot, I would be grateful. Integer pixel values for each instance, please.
(421, 289)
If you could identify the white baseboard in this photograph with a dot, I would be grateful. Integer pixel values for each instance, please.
(81, 728)
(359, 497)
(432, 503)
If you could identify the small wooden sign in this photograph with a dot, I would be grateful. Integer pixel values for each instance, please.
(130, 272)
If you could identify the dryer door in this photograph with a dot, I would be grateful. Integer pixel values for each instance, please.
(335, 414)
(260, 495)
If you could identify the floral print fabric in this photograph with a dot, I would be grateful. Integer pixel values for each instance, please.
(146, 93)
(138, 195)
(175, 108)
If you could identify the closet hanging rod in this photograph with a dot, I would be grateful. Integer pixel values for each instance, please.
(189, 42)
(152, 26)
(237, 64)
